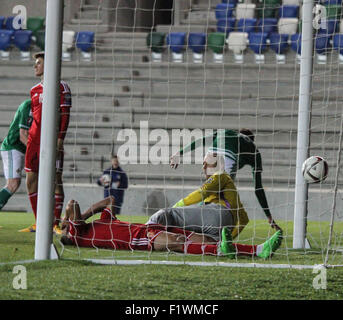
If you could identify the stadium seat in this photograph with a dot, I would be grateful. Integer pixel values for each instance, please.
(226, 25)
(155, 42)
(5, 43)
(288, 25)
(40, 39)
(296, 45)
(279, 44)
(34, 24)
(216, 42)
(197, 43)
(246, 25)
(267, 8)
(291, 2)
(331, 27)
(22, 40)
(85, 43)
(258, 44)
(288, 11)
(9, 23)
(245, 10)
(224, 10)
(176, 44)
(237, 42)
(322, 44)
(67, 44)
(338, 45)
(2, 22)
(268, 25)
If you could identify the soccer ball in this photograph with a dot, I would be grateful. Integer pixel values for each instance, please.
(106, 180)
(315, 169)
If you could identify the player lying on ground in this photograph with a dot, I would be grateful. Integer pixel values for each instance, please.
(110, 233)
(219, 201)
(238, 149)
(13, 150)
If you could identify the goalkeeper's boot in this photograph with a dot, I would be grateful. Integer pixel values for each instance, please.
(57, 229)
(226, 247)
(271, 245)
(31, 228)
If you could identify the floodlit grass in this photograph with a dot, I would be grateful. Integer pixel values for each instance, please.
(72, 278)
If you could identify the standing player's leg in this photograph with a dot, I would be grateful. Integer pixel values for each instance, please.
(13, 162)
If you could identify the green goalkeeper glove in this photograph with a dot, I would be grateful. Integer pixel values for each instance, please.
(179, 204)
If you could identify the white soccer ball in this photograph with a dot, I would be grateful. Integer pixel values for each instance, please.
(106, 180)
(315, 169)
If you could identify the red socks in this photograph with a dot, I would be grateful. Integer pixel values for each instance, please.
(33, 200)
(59, 199)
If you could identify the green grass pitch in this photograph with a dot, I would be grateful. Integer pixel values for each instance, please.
(73, 278)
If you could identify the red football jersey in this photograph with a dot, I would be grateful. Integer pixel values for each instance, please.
(36, 107)
(114, 234)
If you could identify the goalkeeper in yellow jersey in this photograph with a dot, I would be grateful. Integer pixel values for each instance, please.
(238, 149)
(219, 200)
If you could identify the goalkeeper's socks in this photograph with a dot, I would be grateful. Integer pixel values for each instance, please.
(200, 248)
(33, 200)
(5, 194)
(59, 199)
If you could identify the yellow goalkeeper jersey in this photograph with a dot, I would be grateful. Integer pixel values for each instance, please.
(220, 188)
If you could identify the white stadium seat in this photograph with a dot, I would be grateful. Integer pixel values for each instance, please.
(67, 44)
(288, 25)
(245, 10)
(237, 42)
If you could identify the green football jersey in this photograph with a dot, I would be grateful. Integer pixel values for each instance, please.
(22, 120)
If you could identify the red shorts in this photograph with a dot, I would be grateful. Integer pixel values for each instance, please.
(32, 158)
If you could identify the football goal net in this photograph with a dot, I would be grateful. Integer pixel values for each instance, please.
(148, 78)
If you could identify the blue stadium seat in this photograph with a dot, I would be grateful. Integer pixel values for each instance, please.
(22, 40)
(176, 44)
(288, 11)
(268, 25)
(197, 43)
(5, 43)
(331, 27)
(258, 44)
(246, 25)
(85, 43)
(226, 25)
(224, 10)
(9, 23)
(322, 44)
(2, 22)
(278, 42)
(338, 45)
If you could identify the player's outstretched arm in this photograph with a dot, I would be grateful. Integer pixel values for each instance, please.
(99, 207)
(262, 199)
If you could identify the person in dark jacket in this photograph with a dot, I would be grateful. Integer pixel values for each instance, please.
(115, 181)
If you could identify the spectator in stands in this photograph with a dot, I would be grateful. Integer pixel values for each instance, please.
(110, 233)
(115, 181)
(238, 149)
(13, 150)
(33, 144)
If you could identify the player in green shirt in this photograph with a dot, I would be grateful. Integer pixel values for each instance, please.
(238, 149)
(13, 150)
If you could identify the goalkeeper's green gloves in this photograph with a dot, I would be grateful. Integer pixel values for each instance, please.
(179, 204)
